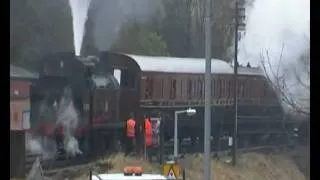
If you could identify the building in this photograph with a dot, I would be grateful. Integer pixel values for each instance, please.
(20, 82)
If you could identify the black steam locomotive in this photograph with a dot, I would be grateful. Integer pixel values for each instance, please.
(78, 98)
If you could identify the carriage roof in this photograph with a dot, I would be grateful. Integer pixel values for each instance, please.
(188, 65)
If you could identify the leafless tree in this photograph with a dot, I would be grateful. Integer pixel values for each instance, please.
(291, 82)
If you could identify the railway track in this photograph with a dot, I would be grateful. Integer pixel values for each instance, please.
(49, 165)
(227, 151)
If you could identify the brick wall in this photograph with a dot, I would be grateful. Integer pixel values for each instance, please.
(19, 102)
(20, 88)
(17, 107)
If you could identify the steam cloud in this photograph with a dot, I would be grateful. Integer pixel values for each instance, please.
(79, 11)
(276, 26)
(67, 117)
(109, 15)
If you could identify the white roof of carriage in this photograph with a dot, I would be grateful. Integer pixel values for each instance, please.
(187, 65)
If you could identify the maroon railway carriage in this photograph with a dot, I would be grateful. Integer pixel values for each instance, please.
(169, 84)
(113, 100)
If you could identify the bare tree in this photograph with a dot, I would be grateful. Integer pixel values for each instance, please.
(291, 81)
(182, 25)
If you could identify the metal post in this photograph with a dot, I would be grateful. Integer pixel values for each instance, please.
(175, 148)
(91, 86)
(235, 103)
(161, 143)
(207, 110)
(176, 140)
(90, 174)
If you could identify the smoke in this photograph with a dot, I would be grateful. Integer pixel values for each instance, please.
(34, 146)
(67, 118)
(79, 11)
(277, 28)
(109, 15)
(41, 146)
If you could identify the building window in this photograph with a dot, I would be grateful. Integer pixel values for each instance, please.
(15, 117)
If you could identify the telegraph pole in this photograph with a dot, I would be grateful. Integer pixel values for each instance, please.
(207, 95)
(239, 23)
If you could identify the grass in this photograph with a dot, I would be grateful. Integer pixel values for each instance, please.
(251, 166)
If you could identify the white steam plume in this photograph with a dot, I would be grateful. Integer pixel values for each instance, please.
(67, 117)
(44, 146)
(79, 10)
(279, 27)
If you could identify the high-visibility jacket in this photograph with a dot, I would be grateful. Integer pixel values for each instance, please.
(148, 132)
(131, 123)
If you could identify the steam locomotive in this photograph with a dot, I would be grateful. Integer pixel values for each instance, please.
(157, 86)
(69, 85)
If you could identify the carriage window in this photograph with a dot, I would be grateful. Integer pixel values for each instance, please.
(194, 88)
(181, 89)
(216, 90)
(220, 88)
(127, 79)
(173, 89)
(244, 88)
(117, 75)
(265, 90)
(240, 88)
(223, 85)
(200, 85)
(149, 88)
(189, 89)
(162, 87)
(229, 88)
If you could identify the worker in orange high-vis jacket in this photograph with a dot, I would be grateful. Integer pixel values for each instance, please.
(130, 134)
(148, 136)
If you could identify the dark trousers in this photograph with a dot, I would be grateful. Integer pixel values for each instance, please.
(149, 152)
(129, 145)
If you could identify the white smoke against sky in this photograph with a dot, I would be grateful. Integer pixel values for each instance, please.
(79, 11)
(278, 26)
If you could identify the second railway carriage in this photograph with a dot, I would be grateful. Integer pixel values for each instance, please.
(169, 84)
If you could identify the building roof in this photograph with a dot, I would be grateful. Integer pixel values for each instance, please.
(18, 72)
(188, 65)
